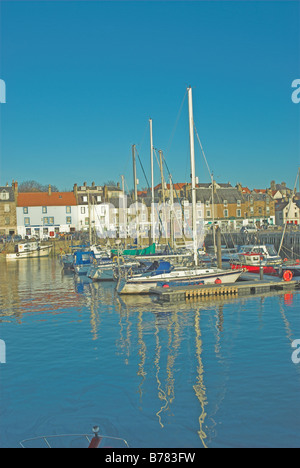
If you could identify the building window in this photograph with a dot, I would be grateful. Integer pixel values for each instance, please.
(85, 199)
(208, 213)
(86, 221)
(6, 208)
(98, 198)
(68, 209)
(225, 203)
(25, 210)
(207, 203)
(26, 221)
(225, 213)
(51, 220)
(44, 209)
(82, 210)
(46, 220)
(7, 220)
(238, 213)
(69, 220)
(239, 203)
(4, 195)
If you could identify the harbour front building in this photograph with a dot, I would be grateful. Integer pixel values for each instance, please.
(44, 214)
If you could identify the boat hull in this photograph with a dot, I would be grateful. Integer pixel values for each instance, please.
(103, 273)
(43, 251)
(267, 269)
(144, 285)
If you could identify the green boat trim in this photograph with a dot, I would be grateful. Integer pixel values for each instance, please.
(134, 252)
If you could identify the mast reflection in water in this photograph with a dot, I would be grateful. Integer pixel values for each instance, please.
(195, 374)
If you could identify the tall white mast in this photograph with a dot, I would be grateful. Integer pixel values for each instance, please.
(135, 193)
(152, 183)
(193, 175)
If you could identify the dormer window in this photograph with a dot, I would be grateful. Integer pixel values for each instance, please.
(4, 195)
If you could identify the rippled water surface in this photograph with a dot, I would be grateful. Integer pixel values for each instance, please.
(197, 374)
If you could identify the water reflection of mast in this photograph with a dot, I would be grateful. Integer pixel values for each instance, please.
(94, 315)
(199, 388)
(161, 392)
(167, 395)
(142, 353)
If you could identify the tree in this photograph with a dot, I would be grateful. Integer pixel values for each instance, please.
(110, 183)
(34, 186)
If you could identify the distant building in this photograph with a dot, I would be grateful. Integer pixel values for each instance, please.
(288, 212)
(8, 214)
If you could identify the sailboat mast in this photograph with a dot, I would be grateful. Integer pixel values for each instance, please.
(135, 191)
(152, 182)
(193, 173)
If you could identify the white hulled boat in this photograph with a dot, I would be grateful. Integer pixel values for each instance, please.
(142, 284)
(29, 250)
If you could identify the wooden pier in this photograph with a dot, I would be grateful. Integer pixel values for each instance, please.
(247, 286)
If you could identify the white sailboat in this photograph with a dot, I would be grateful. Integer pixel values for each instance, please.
(142, 284)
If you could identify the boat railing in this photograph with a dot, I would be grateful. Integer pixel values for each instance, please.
(50, 441)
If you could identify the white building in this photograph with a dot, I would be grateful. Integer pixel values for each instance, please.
(43, 214)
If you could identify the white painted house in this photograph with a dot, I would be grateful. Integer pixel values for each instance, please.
(43, 214)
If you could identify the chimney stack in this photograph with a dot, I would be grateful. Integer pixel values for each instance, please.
(49, 190)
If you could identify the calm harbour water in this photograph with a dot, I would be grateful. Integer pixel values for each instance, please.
(197, 374)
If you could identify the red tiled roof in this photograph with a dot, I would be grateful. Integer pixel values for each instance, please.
(260, 190)
(44, 199)
(246, 190)
(176, 186)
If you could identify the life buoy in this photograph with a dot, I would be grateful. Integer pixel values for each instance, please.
(288, 275)
(218, 281)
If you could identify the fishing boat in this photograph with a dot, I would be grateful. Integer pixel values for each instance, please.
(254, 257)
(94, 440)
(29, 250)
(167, 274)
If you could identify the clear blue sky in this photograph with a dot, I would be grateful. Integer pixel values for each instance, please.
(83, 78)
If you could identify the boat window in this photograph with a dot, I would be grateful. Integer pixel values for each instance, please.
(271, 250)
(258, 250)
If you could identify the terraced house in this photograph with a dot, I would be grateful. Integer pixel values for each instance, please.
(8, 215)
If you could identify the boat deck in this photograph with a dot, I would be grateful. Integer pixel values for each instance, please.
(249, 284)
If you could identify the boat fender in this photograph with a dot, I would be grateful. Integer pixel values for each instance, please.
(288, 275)
(285, 260)
(218, 281)
(298, 261)
(166, 286)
